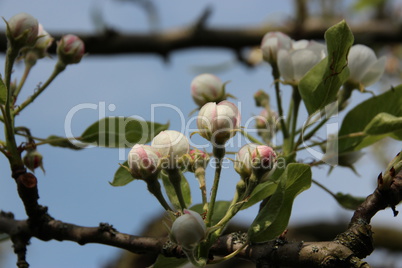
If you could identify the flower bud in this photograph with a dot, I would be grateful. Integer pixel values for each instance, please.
(39, 50)
(70, 49)
(207, 88)
(171, 145)
(197, 159)
(261, 98)
(365, 69)
(218, 122)
(271, 43)
(254, 158)
(33, 160)
(22, 30)
(143, 161)
(188, 230)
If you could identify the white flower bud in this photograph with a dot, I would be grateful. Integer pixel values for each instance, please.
(272, 42)
(218, 122)
(22, 30)
(172, 145)
(188, 230)
(207, 88)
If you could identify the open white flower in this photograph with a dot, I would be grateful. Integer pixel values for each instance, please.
(365, 69)
(272, 42)
(294, 64)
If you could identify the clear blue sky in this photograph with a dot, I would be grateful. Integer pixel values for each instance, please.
(75, 187)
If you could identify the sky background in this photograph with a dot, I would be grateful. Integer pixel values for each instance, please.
(75, 186)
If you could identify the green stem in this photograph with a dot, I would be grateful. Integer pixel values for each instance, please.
(14, 155)
(219, 153)
(200, 175)
(59, 67)
(350, 135)
(154, 188)
(276, 75)
(175, 179)
(296, 98)
(323, 187)
(28, 67)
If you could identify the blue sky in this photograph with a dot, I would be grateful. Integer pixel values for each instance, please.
(75, 186)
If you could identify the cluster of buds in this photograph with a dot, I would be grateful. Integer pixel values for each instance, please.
(167, 151)
(253, 158)
(218, 122)
(197, 159)
(24, 31)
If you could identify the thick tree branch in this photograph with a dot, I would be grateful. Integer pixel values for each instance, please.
(345, 251)
(236, 39)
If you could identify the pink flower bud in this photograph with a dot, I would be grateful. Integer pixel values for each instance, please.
(272, 42)
(188, 230)
(70, 49)
(218, 122)
(172, 145)
(22, 30)
(143, 161)
(33, 160)
(252, 157)
(207, 88)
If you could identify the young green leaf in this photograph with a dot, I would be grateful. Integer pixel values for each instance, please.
(120, 132)
(58, 141)
(171, 193)
(122, 176)
(320, 86)
(3, 92)
(376, 118)
(273, 218)
(349, 201)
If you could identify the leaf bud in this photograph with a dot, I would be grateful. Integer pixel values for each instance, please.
(33, 160)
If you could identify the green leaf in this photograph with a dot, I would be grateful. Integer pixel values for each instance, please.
(376, 118)
(273, 218)
(58, 141)
(363, 4)
(320, 86)
(122, 176)
(3, 92)
(220, 209)
(120, 132)
(171, 193)
(165, 262)
(383, 123)
(349, 201)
